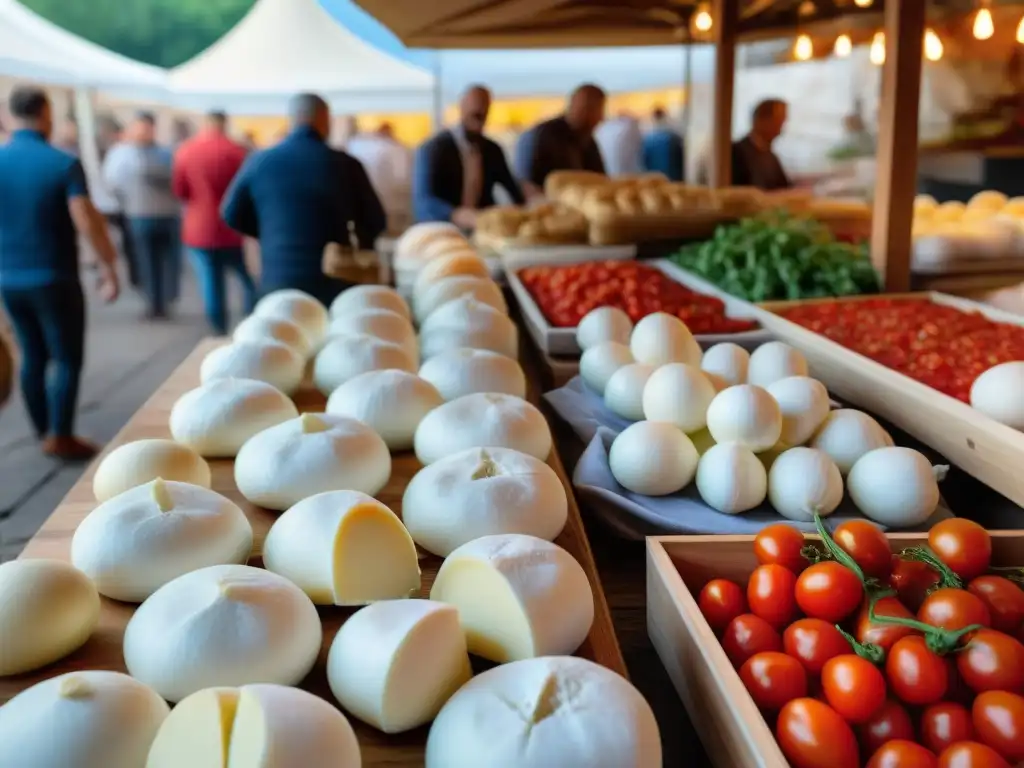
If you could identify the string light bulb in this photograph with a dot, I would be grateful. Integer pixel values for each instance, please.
(702, 20)
(862, 3)
(984, 27)
(932, 46)
(803, 49)
(843, 46)
(1020, 30)
(877, 51)
(807, 8)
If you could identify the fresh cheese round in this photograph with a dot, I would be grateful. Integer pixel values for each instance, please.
(728, 361)
(731, 479)
(299, 307)
(747, 415)
(343, 548)
(225, 625)
(269, 328)
(553, 712)
(410, 247)
(805, 405)
(48, 609)
(662, 338)
(464, 371)
(846, 435)
(255, 726)
(678, 394)
(345, 357)
(803, 481)
(276, 364)
(461, 260)
(773, 361)
(483, 492)
(602, 325)
(999, 394)
(517, 596)
(394, 664)
(482, 420)
(652, 458)
(312, 454)
(482, 289)
(466, 322)
(392, 403)
(897, 487)
(83, 719)
(599, 362)
(134, 543)
(142, 461)
(362, 297)
(383, 324)
(624, 392)
(217, 418)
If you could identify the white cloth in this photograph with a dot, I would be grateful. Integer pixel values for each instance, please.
(389, 166)
(621, 143)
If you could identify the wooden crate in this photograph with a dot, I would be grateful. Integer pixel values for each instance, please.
(734, 733)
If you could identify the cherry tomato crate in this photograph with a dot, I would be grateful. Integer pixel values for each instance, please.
(734, 733)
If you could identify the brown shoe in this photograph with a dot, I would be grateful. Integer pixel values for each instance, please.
(69, 449)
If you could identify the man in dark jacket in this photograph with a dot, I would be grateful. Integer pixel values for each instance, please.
(455, 172)
(299, 196)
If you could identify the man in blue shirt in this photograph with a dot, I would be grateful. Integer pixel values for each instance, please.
(663, 148)
(298, 197)
(44, 206)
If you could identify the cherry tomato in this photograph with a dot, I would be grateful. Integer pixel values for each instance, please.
(813, 735)
(780, 544)
(749, 634)
(720, 602)
(953, 609)
(853, 686)
(912, 579)
(902, 753)
(882, 635)
(770, 594)
(1004, 600)
(945, 723)
(992, 661)
(998, 718)
(963, 545)
(890, 721)
(828, 591)
(971, 754)
(916, 674)
(773, 678)
(813, 642)
(867, 545)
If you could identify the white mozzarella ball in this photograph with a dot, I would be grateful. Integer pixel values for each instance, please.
(216, 419)
(343, 548)
(803, 481)
(999, 394)
(652, 458)
(362, 297)
(48, 609)
(897, 487)
(554, 712)
(773, 361)
(410, 247)
(483, 289)
(601, 325)
(459, 259)
(482, 492)
(83, 719)
(661, 338)
(731, 479)
(258, 328)
(345, 357)
(392, 403)
(269, 361)
(728, 361)
(224, 625)
(599, 362)
(847, 434)
(678, 394)
(517, 596)
(466, 322)
(624, 392)
(747, 415)
(136, 542)
(312, 454)
(805, 405)
(298, 307)
(394, 664)
(464, 371)
(142, 461)
(482, 420)
(382, 324)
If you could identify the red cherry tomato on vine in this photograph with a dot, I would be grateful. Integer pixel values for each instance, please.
(813, 642)
(963, 545)
(853, 686)
(867, 545)
(991, 661)
(953, 609)
(971, 754)
(813, 735)
(828, 591)
(902, 753)
(749, 634)
(772, 679)
(945, 723)
(770, 594)
(889, 722)
(720, 602)
(998, 718)
(876, 633)
(916, 674)
(1004, 600)
(780, 544)
(912, 579)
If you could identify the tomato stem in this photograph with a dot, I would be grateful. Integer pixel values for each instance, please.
(939, 640)
(834, 552)
(946, 577)
(867, 651)
(813, 554)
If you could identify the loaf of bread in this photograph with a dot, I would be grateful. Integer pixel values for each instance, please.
(558, 181)
(547, 224)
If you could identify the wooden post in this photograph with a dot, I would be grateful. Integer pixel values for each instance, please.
(725, 17)
(896, 180)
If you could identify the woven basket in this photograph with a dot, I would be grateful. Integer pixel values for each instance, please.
(353, 266)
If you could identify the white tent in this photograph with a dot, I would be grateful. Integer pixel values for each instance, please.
(283, 47)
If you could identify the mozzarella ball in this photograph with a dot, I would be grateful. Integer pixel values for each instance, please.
(728, 361)
(382, 324)
(773, 361)
(604, 723)
(846, 435)
(599, 362)
(678, 394)
(217, 418)
(410, 246)
(466, 322)
(747, 415)
(298, 307)
(458, 261)
(82, 719)
(464, 371)
(482, 420)
(803, 481)
(624, 392)
(280, 366)
(345, 357)
(601, 325)
(731, 479)
(312, 454)
(258, 329)
(142, 461)
(482, 492)
(392, 403)
(662, 338)
(48, 609)
(136, 542)
(897, 487)
(224, 625)
(652, 459)
(359, 298)
(805, 405)
(482, 289)
(999, 394)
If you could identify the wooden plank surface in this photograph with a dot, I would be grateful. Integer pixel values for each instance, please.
(103, 650)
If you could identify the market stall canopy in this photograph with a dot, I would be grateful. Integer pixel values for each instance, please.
(283, 47)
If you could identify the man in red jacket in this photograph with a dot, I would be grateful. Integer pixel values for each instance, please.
(203, 168)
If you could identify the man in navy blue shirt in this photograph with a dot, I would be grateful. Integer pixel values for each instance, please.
(44, 206)
(298, 197)
(663, 148)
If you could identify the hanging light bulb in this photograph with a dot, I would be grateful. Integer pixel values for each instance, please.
(807, 8)
(877, 51)
(702, 20)
(803, 49)
(932, 46)
(1020, 30)
(843, 46)
(984, 27)
(862, 3)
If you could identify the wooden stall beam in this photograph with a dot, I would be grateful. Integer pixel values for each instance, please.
(725, 16)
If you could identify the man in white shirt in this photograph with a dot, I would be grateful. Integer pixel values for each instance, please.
(389, 166)
(621, 142)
